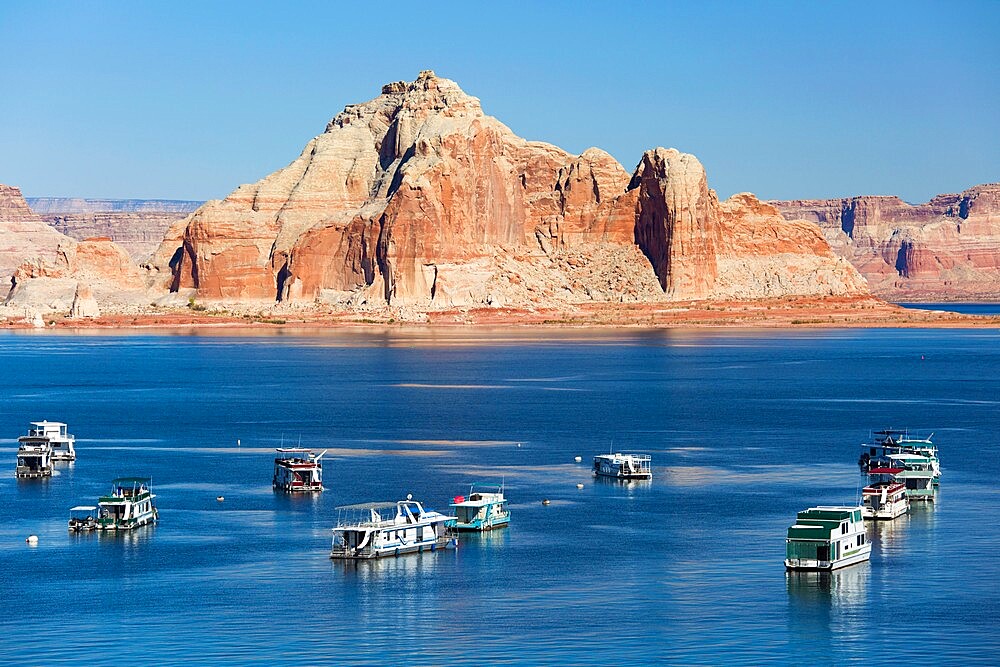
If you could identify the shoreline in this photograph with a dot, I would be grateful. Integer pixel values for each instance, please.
(786, 313)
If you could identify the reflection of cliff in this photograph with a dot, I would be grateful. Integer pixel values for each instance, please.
(417, 198)
(948, 247)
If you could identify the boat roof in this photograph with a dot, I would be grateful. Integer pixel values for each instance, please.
(372, 506)
(835, 512)
(884, 471)
(47, 423)
(908, 457)
(292, 450)
(132, 480)
(82, 508)
(621, 455)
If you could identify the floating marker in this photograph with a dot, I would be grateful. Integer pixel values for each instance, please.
(220, 498)
(578, 458)
(579, 486)
(546, 502)
(32, 539)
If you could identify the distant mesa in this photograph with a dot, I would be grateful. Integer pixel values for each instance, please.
(946, 248)
(418, 199)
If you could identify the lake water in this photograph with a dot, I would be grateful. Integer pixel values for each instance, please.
(744, 428)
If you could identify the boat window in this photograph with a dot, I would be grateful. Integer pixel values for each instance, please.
(843, 528)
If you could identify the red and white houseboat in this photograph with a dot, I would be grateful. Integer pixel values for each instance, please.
(298, 470)
(885, 496)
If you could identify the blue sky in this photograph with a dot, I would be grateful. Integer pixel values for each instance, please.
(187, 100)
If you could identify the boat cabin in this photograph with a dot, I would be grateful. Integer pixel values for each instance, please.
(377, 530)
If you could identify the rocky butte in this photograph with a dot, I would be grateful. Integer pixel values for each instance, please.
(417, 200)
(947, 248)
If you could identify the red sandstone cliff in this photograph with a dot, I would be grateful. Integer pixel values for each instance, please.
(946, 248)
(417, 198)
(22, 234)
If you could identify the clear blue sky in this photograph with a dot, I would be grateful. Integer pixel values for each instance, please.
(187, 100)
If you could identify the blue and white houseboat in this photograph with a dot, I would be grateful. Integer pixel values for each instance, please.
(484, 509)
(827, 538)
(623, 466)
(378, 530)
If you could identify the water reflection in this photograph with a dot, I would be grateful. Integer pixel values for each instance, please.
(824, 606)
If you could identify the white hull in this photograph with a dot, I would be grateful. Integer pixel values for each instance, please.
(419, 547)
(863, 554)
(886, 512)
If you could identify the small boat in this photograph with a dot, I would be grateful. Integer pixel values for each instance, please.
(377, 530)
(884, 499)
(34, 459)
(484, 509)
(623, 466)
(827, 538)
(55, 434)
(128, 506)
(82, 518)
(297, 470)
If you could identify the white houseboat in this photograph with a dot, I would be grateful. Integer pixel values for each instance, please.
(56, 435)
(34, 459)
(484, 509)
(887, 442)
(377, 530)
(884, 499)
(827, 538)
(297, 470)
(917, 474)
(623, 466)
(83, 518)
(128, 506)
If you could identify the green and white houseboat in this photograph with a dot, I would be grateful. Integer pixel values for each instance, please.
(917, 474)
(484, 509)
(827, 538)
(128, 506)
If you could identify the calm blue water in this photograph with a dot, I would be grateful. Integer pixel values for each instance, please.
(745, 429)
(966, 308)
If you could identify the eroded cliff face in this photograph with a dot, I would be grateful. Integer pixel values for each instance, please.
(946, 248)
(417, 198)
(22, 234)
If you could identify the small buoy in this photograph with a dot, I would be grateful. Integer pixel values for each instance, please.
(921, 357)
(578, 458)
(518, 444)
(546, 502)
(579, 486)
(32, 539)
(220, 498)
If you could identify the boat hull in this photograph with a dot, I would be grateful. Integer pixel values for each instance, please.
(624, 475)
(807, 564)
(438, 544)
(33, 474)
(481, 526)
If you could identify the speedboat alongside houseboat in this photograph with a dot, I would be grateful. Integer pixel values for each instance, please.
(128, 506)
(377, 530)
(83, 518)
(827, 538)
(623, 466)
(34, 459)
(57, 437)
(484, 509)
(297, 470)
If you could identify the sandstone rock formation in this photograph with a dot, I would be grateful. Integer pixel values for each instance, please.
(84, 304)
(138, 225)
(946, 248)
(22, 234)
(418, 199)
(94, 269)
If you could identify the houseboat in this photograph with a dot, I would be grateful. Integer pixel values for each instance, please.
(34, 459)
(377, 530)
(623, 466)
(83, 518)
(484, 509)
(297, 470)
(887, 442)
(827, 538)
(917, 474)
(128, 506)
(55, 434)
(884, 499)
